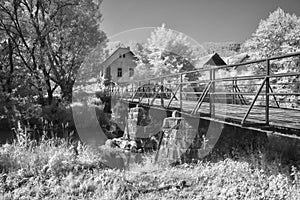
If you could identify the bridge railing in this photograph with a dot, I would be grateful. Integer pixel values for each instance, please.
(236, 84)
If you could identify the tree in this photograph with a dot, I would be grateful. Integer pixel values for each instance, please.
(51, 40)
(274, 36)
(224, 49)
(89, 74)
(165, 52)
(43, 44)
(277, 35)
(77, 34)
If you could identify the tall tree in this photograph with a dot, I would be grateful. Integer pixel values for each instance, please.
(51, 39)
(167, 51)
(77, 33)
(275, 35)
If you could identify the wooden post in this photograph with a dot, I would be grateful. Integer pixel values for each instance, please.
(162, 92)
(180, 92)
(233, 91)
(213, 91)
(211, 94)
(267, 91)
(210, 100)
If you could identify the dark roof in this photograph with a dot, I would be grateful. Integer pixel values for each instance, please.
(210, 60)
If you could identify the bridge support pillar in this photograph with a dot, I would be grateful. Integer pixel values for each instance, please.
(178, 138)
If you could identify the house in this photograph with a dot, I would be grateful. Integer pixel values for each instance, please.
(207, 61)
(210, 60)
(119, 66)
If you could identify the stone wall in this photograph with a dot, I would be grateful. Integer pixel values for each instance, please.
(142, 128)
(179, 138)
(187, 138)
(194, 139)
(142, 123)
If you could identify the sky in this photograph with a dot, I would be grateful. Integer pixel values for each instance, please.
(201, 20)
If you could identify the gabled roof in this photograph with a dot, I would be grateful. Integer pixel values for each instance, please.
(113, 56)
(210, 60)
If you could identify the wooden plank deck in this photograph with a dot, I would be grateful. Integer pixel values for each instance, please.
(280, 118)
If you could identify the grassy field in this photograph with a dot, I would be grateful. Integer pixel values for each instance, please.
(55, 170)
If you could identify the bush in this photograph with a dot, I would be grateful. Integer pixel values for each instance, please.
(54, 169)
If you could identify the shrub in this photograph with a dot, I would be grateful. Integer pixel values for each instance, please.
(55, 169)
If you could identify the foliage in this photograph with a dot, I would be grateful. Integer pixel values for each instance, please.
(47, 41)
(89, 74)
(166, 51)
(277, 35)
(54, 169)
(43, 45)
(274, 35)
(224, 49)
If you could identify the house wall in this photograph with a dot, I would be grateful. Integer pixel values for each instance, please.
(125, 64)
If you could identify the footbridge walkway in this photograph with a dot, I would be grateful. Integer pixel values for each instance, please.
(267, 100)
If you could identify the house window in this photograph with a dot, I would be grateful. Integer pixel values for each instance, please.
(119, 72)
(131, 72)
(107, 73)
(123, 55)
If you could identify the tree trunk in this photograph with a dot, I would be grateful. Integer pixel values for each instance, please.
(50, 96)
(66, 92)
(11, 67)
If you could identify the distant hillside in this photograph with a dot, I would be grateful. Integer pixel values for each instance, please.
(224, 49)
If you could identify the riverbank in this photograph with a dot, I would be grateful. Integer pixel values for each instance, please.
(57, 170)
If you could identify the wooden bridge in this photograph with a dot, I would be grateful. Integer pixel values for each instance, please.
(267, 101)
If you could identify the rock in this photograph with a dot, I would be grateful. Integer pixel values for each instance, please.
(110, 143)
(124, 144)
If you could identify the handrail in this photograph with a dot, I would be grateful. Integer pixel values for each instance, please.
(264, 90)
(226, 66)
